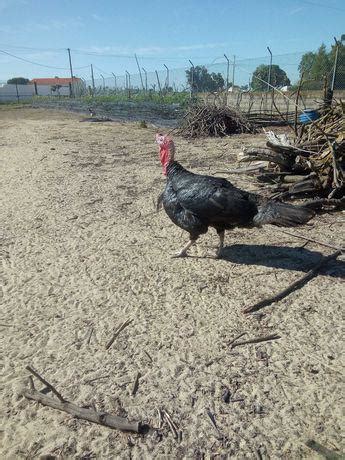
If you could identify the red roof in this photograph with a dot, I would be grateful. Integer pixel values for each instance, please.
(54, 81)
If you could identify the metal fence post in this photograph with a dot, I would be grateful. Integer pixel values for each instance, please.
(129, 83)
(159, 83)
(141, 77)
(227, 71)
(93, 80)
(192, 79)
(167, 78)
(335, 63)
(103, 82)
(17, 93)
(114, 80)
(145, 78)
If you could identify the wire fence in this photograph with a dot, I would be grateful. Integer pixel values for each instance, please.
(239, 74)
(226, 73)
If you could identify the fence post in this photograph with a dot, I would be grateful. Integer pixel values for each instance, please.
(129, 83)
(35, 86)
(70, 89)
(159, 83)
(145, 78)
(17, 93)
(191, 80)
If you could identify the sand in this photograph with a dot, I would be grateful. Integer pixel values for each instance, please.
(82, 248)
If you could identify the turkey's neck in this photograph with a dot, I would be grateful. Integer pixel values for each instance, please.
(173, 168)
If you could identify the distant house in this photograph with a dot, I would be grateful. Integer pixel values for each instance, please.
(55, 81)
(42, 87)
(57, 86)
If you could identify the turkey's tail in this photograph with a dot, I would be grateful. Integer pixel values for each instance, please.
(282, 214)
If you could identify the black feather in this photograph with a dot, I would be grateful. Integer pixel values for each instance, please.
(194, 202)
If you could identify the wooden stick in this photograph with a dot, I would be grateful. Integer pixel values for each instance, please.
(311, 240)
(102, 418)
(136, 384)
(117, 332)
(323, 451)
(231, 343)
(294, 286)
(257, 340)
(171, 424)
(89, 381)
(47, 384)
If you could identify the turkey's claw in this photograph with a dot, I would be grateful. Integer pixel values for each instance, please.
(180, 254)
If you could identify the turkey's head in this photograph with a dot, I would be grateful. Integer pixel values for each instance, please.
(166, 150)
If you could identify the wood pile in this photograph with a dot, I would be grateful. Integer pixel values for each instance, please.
(270, 118)
(311, 163)
(208, 120)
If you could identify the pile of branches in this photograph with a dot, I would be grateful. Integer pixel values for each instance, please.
(312, 163)
(208, 120)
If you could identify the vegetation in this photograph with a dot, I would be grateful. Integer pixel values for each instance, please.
(200, 80)
(315, 66)
(18, 81)
(181, 98)
(261, 77)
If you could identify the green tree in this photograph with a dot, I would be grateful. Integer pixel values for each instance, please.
(261, 76)
(314, 67)
(200, 79)
(18, 81)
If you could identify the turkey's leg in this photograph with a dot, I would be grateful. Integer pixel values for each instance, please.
(221, 243)
(184, 250)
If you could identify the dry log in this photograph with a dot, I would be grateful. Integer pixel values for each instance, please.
(266, 154)
(102, 418)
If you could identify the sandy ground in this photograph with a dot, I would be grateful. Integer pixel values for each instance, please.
(82, 249)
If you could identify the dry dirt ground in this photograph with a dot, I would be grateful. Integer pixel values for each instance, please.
(83, 250)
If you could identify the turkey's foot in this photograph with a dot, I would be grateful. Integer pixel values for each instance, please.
(183, 252)
(218, 254)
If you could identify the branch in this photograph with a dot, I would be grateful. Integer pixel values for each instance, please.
(102, 418)
(257, 340)
(47, 384)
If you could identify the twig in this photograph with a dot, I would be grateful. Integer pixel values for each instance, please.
(160, 419)
(87, 382)
(112, 421)
(47, 384)
(173, 427)
(117, 332)
(136, 384)
(231, 343)
(296, 285)
(257, 340)
(214, 424)
(147, 354)
(311, 240)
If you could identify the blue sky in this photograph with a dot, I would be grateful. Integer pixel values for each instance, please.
(108, 33)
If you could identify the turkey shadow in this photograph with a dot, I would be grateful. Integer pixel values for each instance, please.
(287, 258)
